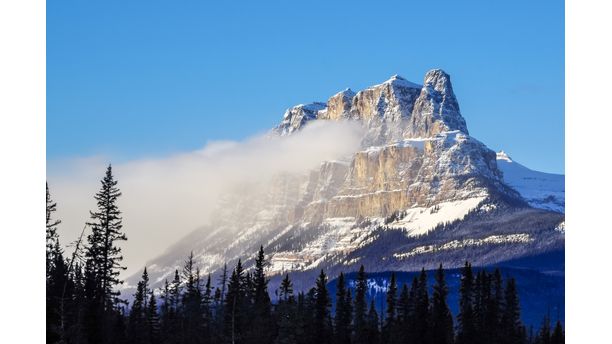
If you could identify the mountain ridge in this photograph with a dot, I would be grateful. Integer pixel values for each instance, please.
(419, 191)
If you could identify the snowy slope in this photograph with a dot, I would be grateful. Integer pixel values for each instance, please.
(541, 190)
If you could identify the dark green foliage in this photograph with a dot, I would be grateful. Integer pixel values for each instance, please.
(390, 329)
(441, 318)
(287, 316)
(342, 320)
(372, 332)
(360, 308)
(466, 333)
(511, 327)
(263, 326)
(558, 335)
(322, 324)
(106, 231)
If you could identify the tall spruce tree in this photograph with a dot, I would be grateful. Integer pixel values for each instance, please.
(322, 316)
(404, 312)
(137, 326)
(52, 238)
(389, 330)
(511, 317)
(360, 308)
(342, 320)
(287, 314)
(421, 309)
(466, 332)
(372, 332)
(152, 318)
(56, 275)
(558, 336)
(441, 318)
(263, 328)
(103, 250)
(191, 316)
(235, 302)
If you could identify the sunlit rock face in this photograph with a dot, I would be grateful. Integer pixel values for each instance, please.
(418, 192)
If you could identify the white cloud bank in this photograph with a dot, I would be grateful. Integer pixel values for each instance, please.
(166, 198)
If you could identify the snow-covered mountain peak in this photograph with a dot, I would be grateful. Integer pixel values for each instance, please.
(501, 155)
(539, 189)
(439, 80)
(417, 171)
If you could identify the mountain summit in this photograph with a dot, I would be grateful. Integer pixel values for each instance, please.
(420, 191)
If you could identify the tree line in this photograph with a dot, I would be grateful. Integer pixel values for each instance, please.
(84, 306)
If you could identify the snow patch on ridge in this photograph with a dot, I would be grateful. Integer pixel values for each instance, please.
(521, 238)
(420, 220)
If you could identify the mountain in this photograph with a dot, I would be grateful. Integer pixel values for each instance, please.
(420, 191)
(539, 189)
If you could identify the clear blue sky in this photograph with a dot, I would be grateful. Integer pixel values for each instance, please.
(145, 78)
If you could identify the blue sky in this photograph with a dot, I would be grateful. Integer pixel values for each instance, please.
(129, 79)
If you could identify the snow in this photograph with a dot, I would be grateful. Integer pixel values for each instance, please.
(420, 220)
(521, 238)
(539, 189)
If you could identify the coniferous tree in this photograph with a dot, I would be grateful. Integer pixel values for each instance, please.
(372, 332)
(558, 336)
(342, 320)
(544, 335)
(137, 329)
(235, 305)
(56, 273)
(405, 310)
(441, 318)
(106, 232)
(322, 316)
(360, 308)
(287, 314)
(102, 307)
(511, 318)
(466, 332)
(493, 308)
(421, 309)
(191, 315)
(263, 325)
(389, 332)
(52, 238)
(152, 317)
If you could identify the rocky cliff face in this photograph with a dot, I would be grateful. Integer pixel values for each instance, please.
(417, 171)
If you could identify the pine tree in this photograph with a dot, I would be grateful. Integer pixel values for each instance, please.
(263, 324)
(342, 334)
(441, 318)
(51, 232)
(287, 314)
(372, 333)
(322, 316)
(152, 317)
(137, 329)
(421, 309)
(235, 305)
(493, 308)
(103, 251)
(56, 274)
(544, 335)
(511, 318)
(405, 309)
(389, 332)
(558, 336)
(360, 308)
(191, 316)
(466, 332)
